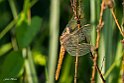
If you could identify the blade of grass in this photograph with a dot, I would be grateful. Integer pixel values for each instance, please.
(53, 44)
(116, 62)
(93, 19)
(107, 33)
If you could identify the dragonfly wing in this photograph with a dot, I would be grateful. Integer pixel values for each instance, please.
(78, 50)
(70, 48)
(78, 35)
(87, 32)
(72, 24)
(83, 34)
(84, 49)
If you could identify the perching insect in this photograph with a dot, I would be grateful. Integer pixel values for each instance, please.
(75, 41)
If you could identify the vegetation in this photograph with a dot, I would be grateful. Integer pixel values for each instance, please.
(29, 41)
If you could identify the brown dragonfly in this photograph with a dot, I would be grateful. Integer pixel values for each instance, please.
(75, 41)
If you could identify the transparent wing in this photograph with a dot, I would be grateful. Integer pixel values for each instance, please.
(78, 35)
(84, 48)
(72, 24)
(87, 32)
(78, 50)
(82, 34)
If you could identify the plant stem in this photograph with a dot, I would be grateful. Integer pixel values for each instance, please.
(11, 24)
(76, 69)
(53, 44)
(13, 8)
(15, 15)
(92, 20)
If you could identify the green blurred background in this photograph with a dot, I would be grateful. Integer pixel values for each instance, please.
(29, 42)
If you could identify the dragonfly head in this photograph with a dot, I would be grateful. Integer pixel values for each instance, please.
(64, 36)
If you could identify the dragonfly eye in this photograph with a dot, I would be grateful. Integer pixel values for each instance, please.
(64, 36)
(67, 31)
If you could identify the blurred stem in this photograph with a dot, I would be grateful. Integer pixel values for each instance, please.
(46, 74)
(93, 19)
(99, 17)
(93, 37)
(11, 24)
(30, 70)
(32, 67)
(26, 6)
(53, 44)
(13, 8)
(99, 27)
(29, 66)
(15, 15)
(29, 16)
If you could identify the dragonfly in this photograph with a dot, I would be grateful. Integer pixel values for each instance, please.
(76, 41)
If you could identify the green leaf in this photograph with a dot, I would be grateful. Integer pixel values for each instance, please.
(11, 67)
(25, 33)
